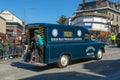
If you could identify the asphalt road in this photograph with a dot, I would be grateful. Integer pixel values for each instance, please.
(84, 69)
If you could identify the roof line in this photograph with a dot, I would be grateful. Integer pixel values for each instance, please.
(98, 9)
(11, 13)
(2, 18)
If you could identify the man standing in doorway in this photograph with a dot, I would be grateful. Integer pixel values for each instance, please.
(39, 45)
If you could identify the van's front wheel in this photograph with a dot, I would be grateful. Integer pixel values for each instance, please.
(63, 61)
(99, 55)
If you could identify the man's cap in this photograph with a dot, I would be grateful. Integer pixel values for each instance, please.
(36, 31)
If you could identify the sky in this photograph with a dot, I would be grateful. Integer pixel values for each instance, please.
(40, 11)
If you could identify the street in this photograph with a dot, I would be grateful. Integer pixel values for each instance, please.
(84, 69)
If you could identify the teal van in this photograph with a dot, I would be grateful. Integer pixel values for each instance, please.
(63, 43)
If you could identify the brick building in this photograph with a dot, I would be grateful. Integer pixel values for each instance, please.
(14, 26)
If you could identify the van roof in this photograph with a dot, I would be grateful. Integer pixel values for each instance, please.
(47, 25)
(52, 25)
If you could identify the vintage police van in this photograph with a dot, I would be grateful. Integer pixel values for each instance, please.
(63, 43)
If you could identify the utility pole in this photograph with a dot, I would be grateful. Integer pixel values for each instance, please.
(24, 20)
(84, 1)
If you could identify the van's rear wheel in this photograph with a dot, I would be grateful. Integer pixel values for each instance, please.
(99, 55)
(63, 61)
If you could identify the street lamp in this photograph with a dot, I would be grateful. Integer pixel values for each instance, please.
(109, 24)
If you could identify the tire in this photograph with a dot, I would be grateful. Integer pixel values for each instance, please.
(63, 61)
(99, 55)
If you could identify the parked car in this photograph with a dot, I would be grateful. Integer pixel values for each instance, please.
(118, 39)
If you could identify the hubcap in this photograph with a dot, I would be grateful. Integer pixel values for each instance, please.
(99, 54)
(64, 60)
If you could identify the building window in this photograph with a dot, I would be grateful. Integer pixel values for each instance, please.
(109, 14)
(117, 18)
(113, 16)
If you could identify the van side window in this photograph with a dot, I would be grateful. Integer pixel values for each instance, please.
(87, 37)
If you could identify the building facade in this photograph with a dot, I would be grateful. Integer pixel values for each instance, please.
(95, 16)
(14, 26)
(2, 25)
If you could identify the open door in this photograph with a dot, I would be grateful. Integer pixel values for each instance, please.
(30, 35)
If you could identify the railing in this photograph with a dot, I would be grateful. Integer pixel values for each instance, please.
(15, 51)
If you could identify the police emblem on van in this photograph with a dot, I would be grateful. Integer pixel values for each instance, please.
(79, 33)
(54, 32)
(90, 50)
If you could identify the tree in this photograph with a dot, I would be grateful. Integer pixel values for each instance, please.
(62, 19)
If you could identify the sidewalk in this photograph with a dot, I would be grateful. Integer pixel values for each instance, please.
(10, 60)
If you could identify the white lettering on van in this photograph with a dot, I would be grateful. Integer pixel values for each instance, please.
(92, 53)
(54, 39)
(66, 39)
(77, 38)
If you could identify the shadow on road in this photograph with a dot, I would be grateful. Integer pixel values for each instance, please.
(38, 68)
(98, 70)
(104, 67)
(101, 67)
(107, 68)
(62, 76)
(32, 67)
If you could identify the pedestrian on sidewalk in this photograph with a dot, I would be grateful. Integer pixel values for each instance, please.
(113, 38)
(5, 47)
(1, 47)
(11, 49)
(24, 48)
